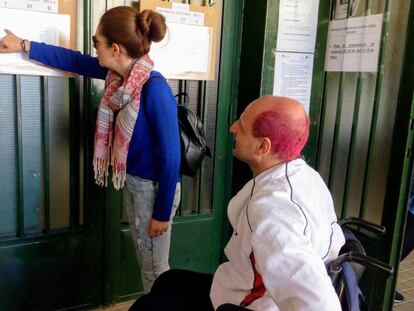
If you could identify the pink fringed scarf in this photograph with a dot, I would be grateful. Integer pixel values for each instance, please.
(111, 147)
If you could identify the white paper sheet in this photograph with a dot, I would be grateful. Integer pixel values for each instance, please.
(353, 44)
(293, 76)
(184, 51)
(37, 26)
(180, 13)
(50, 6)
(298, 20)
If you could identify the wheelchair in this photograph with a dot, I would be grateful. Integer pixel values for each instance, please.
(347, 269)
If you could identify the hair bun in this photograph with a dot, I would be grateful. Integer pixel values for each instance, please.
(152, 25)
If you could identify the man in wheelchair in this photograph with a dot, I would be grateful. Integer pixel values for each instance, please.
(284, 222)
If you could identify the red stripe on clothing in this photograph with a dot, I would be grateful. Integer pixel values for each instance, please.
(258, 289)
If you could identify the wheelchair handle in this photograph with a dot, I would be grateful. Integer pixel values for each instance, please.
(374, 228)
(364, 260)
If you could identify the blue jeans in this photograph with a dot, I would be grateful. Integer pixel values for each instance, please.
(152, 253)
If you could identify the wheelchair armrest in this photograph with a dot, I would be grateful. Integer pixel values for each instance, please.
(364, 260)
(374, 228)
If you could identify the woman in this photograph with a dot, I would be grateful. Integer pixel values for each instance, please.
(144, 147)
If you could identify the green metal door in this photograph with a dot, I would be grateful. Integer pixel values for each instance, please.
(64, 242)
(360, 121)
(50, 229)
(50, 236)
(198, 225)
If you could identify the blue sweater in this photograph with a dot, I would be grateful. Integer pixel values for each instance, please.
(154, 151)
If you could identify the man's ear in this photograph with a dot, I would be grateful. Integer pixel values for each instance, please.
(265, 146)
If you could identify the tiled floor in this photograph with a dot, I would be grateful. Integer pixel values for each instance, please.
(123, 306)
(405, 284)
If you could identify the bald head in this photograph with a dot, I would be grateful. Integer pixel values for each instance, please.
(284, 121)
(284, 106)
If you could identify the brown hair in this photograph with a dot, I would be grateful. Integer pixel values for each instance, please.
(133, 30)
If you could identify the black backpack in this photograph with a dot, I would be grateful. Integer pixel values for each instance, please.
(193, 142)
(192, 139)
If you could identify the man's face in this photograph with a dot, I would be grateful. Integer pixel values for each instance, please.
(245, 142)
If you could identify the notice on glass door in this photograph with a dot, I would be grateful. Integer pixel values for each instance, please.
(44, 27)
(298, 20)
(293, 76)
(353, 44)
(50, 6)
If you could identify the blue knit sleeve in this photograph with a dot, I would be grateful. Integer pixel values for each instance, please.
(162, 108)
(67, 60)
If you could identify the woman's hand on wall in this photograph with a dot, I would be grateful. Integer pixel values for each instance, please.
(12, 43)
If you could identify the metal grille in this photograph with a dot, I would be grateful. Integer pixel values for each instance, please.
(358, 118)
(34, 155)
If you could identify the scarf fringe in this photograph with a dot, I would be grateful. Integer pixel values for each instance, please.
(100, 167)
(119, 180)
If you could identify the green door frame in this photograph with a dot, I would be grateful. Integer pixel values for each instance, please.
(227, 107)
(401, 165)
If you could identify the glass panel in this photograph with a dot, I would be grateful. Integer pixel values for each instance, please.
(360, 146)
(59, 155)
(8, 157)
(387, 98)
(210, 123)
(79, 88)
(32, 162)
(370, 127)
(342, 145)
(328, 127)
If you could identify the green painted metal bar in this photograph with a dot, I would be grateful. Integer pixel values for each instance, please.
(190, 185)
(400, 217)
(87, 91)
(19, 153)
(44, 115)
(332, 167)
(367, 6)
(406, 95)
(318, 85)
(184, 181)
(74, 151)
(226, 111)
(271, 30)
(349, 10)
(319, 133)
(351, 159)
(202, 104)
(374, 119)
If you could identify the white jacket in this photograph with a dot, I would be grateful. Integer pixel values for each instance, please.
(284, 228)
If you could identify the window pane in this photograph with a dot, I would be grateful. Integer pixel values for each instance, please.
(59, 153)
(8, 157)
(31, 143)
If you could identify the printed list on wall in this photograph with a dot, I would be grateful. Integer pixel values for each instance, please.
(295, 47)
(353, 44)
